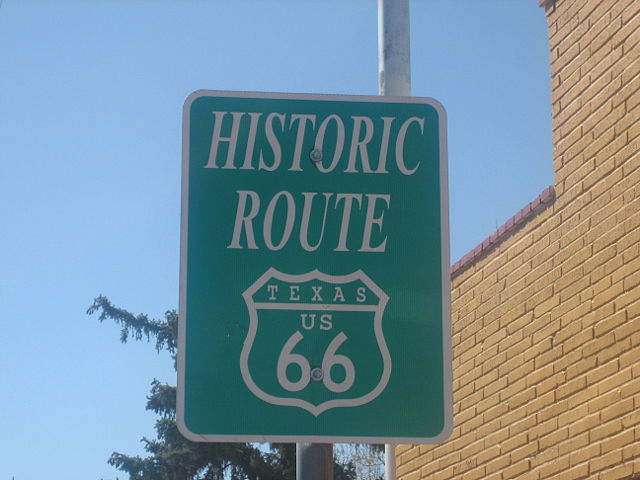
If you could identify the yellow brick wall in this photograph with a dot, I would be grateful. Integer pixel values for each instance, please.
(546, 322)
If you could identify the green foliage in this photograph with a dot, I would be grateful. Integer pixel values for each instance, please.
(165, 331)
(173, 457)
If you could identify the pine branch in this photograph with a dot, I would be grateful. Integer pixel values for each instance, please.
(140, 326)
(162, 399)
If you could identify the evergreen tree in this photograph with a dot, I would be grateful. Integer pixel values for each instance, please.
(173, 457)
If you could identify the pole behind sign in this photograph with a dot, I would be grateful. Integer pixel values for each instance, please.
(394, 74)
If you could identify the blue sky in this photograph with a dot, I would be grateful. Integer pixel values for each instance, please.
(91, 96)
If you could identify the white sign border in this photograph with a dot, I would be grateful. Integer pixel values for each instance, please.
(445, 273)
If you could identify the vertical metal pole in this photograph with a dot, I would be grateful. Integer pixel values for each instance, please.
(394, 48)
(314, 461)
(389, 461)
(394, 70)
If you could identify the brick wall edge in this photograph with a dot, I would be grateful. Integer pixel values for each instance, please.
(524, 215)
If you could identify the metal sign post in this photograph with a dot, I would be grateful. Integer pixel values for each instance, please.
(314, 461)
(394, 74)
(394, 48)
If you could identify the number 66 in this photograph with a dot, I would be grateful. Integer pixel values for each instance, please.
(329, 359)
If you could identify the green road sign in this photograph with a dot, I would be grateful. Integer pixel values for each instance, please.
(314, 278)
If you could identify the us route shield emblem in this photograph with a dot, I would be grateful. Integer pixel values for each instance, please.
(315, 341)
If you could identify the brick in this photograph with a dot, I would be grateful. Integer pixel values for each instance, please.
(495, 438)
(572, 310)
(594, 346)
(523, 425)
(444, 474)
(513, 417)
(617, 410)
(495, 476)
(543, 428)
(606, 430)
(603, 190)
(544, 345)
(476, 473)
(567, 56)
(603, 371)
(573, 444)
(521, 398)
(631, 450)
(584, 454)
(625, 329)
(627, 270)
(518, 469)
(515, 342)
(544, 273)
(604, 208)
(630, 12)
(610, 120)
(546, 306)
(597, 403)
(554, 410)
(550, 356)
(574, 473)
(539, 402)
(597, 315)
(610, 322)
(631, 357)
(555, 467)
(614, 351)
(609, 294)
(498, 463)
(604, 461)
(523, 452)
(554, 438)
(492, 360)
(550, 383)
(575, 259)
(487, 403)
(630, 296)
(570, 327)
(584, 424)
(603, 62)
(602, 141)
(582, 397)
(619, 472)
(521, 371)
(545, 456)
(488, 453)
(540, 374)
(601, 105)
(619, 441)
(569, 278)
(571, 387)
(632, 419)
(578, 340)
(614, 381)
(602, 223)
(579, 369)
(628, 211)
(445, 461)
(582, 165)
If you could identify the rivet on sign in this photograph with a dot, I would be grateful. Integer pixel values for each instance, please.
(317, 374)
(315, 155)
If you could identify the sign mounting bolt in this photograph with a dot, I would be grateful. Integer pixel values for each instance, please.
(317, 374)
(315, 155)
